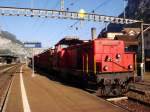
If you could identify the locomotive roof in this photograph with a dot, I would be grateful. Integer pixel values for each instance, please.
(70, 41)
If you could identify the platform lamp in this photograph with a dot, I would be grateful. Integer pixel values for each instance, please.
(33, 74)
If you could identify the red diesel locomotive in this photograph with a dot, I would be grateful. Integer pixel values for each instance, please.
(102, 62)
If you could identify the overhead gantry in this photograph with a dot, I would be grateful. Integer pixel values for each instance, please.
(61, 14)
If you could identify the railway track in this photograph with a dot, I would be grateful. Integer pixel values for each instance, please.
(145, 83)
(142, 86)
(138, 98)
(132, 105)
(6, 80)
(136, 101)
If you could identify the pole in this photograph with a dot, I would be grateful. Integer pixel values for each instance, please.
(26, 60)
(93, 33)
(124, 13)
(143, 48)
(62, 5)
(143, 57)
(33, 62)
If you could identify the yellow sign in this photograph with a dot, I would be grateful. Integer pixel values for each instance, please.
(82, 13)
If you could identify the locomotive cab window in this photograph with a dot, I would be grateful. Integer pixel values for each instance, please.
(64, 46)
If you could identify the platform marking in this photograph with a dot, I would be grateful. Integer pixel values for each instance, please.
(6, 69)
(26, 106)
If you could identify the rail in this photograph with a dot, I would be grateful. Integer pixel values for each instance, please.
(7, 83)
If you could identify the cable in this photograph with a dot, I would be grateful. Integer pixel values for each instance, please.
(46, 4)
(57, 3)
(42, 22)
(75, 23)
(93, 11)
(72, 4)
(31, 3)
(4, 24)
(67, 28)
(71, 26)
(100, 5)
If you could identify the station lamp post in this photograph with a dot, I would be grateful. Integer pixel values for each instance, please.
(143, 48)
(62, 5)
(33, 74)
(31, 54)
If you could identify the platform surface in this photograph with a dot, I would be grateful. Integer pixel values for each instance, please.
(41, 94)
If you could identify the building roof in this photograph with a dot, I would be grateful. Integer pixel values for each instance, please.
(8, 56)
(129, 40)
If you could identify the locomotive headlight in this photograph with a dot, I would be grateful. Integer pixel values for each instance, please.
(130, 67)
(105, 68)
(108, 58)
(118, 56)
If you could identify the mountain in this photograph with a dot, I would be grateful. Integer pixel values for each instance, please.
(138, 9)
(9, 44)
(10, 36)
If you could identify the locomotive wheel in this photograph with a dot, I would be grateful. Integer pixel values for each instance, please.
(109, 90)
(124, 88)
(116, 91)
(116, 88)
(106, 90)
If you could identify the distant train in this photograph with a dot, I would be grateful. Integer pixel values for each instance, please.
(102, 62)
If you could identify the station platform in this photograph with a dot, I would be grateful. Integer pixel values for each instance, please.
(41, 94)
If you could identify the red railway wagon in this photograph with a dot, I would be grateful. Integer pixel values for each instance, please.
(44, 60)
(100, 61)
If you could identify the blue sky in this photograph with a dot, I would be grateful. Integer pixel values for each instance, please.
(49, 31)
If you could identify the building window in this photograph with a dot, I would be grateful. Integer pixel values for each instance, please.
(146, 35)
